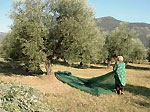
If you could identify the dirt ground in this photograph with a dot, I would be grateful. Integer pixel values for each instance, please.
(135, 99)
(46, 84)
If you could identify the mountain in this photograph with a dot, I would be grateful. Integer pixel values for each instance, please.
(110, 23)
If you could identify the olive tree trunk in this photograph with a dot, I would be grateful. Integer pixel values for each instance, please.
(48, 68)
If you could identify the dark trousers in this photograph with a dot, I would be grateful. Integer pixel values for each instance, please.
(118, 84)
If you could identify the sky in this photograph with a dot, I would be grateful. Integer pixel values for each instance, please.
(125, 10)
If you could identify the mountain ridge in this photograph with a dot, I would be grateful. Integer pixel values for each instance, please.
(110, 23)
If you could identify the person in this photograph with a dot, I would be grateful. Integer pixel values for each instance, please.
(120, 75)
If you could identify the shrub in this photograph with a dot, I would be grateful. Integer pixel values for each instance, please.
(16, 97)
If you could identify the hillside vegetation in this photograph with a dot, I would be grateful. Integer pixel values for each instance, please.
(110, 23)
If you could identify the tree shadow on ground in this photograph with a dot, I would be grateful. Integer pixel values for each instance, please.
(78, 65)
(138, 90)
(137, 68)
(12, 67)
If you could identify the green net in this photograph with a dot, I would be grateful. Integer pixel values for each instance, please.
(104, 84)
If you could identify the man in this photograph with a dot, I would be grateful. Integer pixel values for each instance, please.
(120, 75)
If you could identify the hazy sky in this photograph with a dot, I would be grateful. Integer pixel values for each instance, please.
(125, 10)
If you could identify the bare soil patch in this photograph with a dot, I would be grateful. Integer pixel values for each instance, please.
(46, 84)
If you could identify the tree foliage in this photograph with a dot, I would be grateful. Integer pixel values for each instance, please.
(52, 29)
(10, 47)
(43, 31)
(75, 30)
(138, 51)
(118, 42)
(27, 29)
(122, 42)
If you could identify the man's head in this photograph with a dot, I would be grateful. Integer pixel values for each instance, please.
(120, 58)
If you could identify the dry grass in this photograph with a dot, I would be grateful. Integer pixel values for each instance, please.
(63, 98)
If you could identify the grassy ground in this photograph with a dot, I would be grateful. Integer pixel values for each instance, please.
(63, 98)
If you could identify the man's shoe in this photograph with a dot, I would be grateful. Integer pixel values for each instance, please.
(122, 92)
